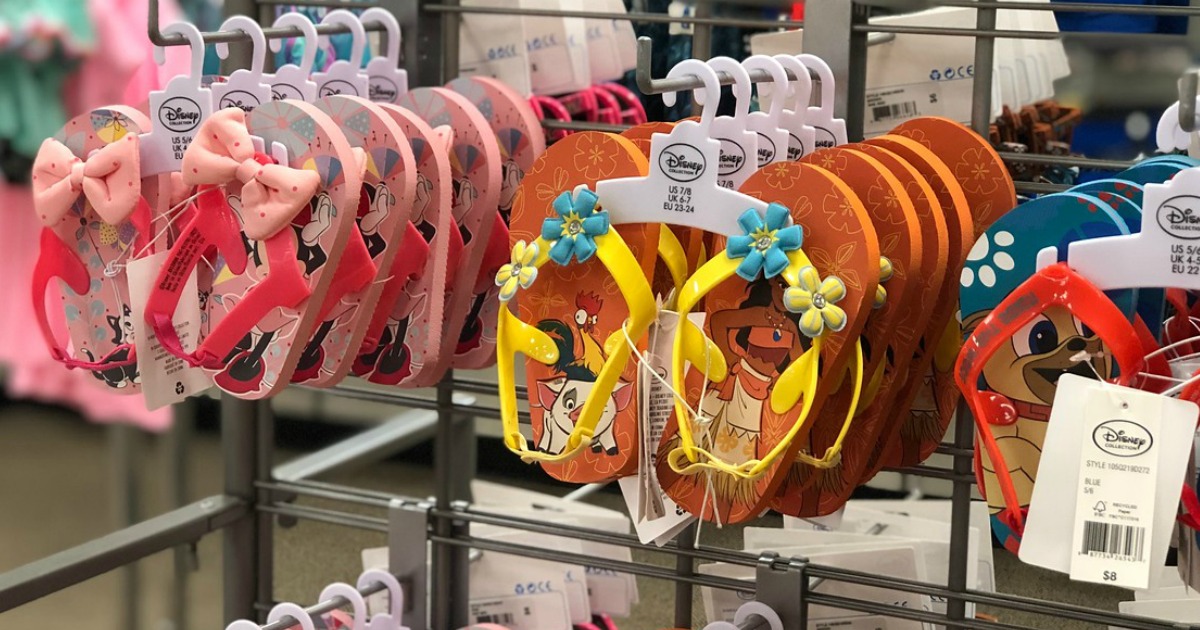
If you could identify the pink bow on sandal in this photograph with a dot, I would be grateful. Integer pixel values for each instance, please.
(110, 180)
(272, 194)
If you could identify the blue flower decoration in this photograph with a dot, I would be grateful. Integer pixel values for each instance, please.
(575, 229)
(765, 245)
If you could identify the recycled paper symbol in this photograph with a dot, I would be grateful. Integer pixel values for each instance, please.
(1100, 508)
(934, 75)
(178, 387)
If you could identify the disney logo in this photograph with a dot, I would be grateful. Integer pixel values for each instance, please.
(1178, 217)
(179, 114)
(733, 156)
(382, 90)
(242, 100)
(682, 162)
(1122, 438)
(337, 86)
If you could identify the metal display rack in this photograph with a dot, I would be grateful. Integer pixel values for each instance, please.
(429, 540)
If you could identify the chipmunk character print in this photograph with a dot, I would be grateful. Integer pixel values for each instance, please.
(123, 376)
(1026, 372)
(562, 397)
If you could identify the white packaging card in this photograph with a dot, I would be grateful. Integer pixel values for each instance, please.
(604, 60)
(656, 518)
(681, 9)
(376, 558)
(913, 75)
(494, 46)
(557, 47)
(166, 379)
(1168, 593)
(624, 37)
(1087, 481)
(520, 582)
(1181, 610)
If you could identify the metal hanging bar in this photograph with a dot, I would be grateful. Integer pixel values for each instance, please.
(329, 605)
(158, 38)
(1187, 99)
(1074, 7)
(632, 16)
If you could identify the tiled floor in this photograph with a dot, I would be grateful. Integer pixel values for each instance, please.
(56, 491)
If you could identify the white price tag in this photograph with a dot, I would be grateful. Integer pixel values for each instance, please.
(528, 611)
(1118, 472)
(166, 379)
(681, 9)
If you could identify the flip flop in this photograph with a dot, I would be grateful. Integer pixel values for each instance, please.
(475, 169)
(293, 220)
(758, 425)
(580, 377)
(847, 447)
(87, 192)
(989, 193)
(382, 221)
(405, 344)
(1025, 372)
(521, 140)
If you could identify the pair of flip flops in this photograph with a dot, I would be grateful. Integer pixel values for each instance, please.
(1011, 383)
(360, 252)
(796, 377)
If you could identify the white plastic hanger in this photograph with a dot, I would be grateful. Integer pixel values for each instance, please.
(387, 81)
(743, 614)
(802, 136)
(351, 595)
(177, 110)
(831, 131)
(1163, 254)
(245, 88)
(390, 620)
(345, 77)
(682, 187)
(772, 137)
(739, 145)
(288, 609)
(290, 80)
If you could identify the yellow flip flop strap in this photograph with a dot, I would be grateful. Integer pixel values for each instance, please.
(670, 250)
(689, 458)
(619, 260)
(833, 454)
(874, 384)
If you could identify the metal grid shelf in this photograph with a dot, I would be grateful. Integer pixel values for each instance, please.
(254, 497)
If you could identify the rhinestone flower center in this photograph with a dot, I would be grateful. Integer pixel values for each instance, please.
(763, 243)
(819, 301)
(574, 228)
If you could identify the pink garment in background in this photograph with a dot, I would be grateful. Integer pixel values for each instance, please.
(121, 70)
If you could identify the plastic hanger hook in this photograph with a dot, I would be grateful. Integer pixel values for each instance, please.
(392, 619)
(195, 44)
(359, 34)
(288, 609)
(311, 38)
(743, 88)
(800, 89)
(824, 75)
(391, 26)
(711, 85)
(779, 79)
(257, 38)
(351, 595)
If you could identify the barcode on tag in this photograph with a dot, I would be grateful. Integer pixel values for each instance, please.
(502, 618)
(1113, 541)
(894, 111)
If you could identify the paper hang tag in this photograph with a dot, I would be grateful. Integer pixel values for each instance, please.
(1083, 419)
(1165, 253)
(1118, 471)
(681, 9)
(166, 379)
(290, 81)
(773, 142)
(505, 580)
(175, 114)
(682, 187)
(656, 518)
(739, 147)
(385, 82)
(242, 89)
(341, 78)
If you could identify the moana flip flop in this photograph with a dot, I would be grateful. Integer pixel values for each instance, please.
(754, 417)
(280, 230)
(475, 168)
(521, 140)
(87, 192)
(591, 282)
(403, 342)
(896, 224)
(382, 222)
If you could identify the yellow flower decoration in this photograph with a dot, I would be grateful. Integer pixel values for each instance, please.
(815, 300)
(885, 274)
(518, 273)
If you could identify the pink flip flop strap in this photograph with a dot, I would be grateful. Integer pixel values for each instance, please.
(354, 272)
(494, 256)
(408, 265)
(633, 112)
(608, 108)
